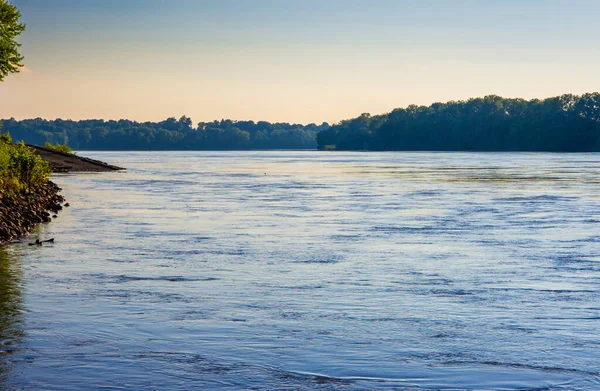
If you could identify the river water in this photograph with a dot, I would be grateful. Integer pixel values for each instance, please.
(311, 270)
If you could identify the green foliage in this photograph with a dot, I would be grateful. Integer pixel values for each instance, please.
(566, 123)
(5, 141)
(10, 28)
(21, 169)
(4, 160)
(170, 134)
(28, 168)
(58, 147)
(5, 138)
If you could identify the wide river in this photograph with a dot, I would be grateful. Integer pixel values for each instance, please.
(311, 270)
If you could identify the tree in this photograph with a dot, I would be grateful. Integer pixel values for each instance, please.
(185, 123)
(169, 134)
(10, 28)
(492, 123)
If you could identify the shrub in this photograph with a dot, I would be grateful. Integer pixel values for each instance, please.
(5, 137)
(58, 147)
(5, 141)
(26, 170)
(4, 159)
(21, 169)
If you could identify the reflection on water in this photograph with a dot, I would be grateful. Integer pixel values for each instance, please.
(11, 307)
(306, 270)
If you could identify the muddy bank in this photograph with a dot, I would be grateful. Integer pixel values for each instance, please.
(65, 162)
(21, 212)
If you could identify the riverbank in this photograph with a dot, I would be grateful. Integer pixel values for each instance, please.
(19, 213)
(67, 162)
(23, 206)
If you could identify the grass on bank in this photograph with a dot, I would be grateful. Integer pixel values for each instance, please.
(21, 169)
(59, 147)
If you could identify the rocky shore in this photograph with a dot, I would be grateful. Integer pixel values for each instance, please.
(19, 213)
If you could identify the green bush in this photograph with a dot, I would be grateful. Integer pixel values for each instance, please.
(28, 168)
(5, 137)
(21, 169)
(58, 147)
(4, 159)
(5, 147)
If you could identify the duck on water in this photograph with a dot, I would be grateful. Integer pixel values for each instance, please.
(41, 242)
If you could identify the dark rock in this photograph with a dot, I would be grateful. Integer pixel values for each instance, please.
(19, 213)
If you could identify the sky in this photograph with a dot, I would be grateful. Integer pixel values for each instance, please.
(300, 61)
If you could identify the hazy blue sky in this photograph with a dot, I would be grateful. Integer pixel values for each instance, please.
(293, 60)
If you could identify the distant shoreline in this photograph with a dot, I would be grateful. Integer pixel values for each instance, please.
(326, 151)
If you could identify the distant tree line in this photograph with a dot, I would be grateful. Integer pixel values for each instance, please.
(170, 134)
(567, 123)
